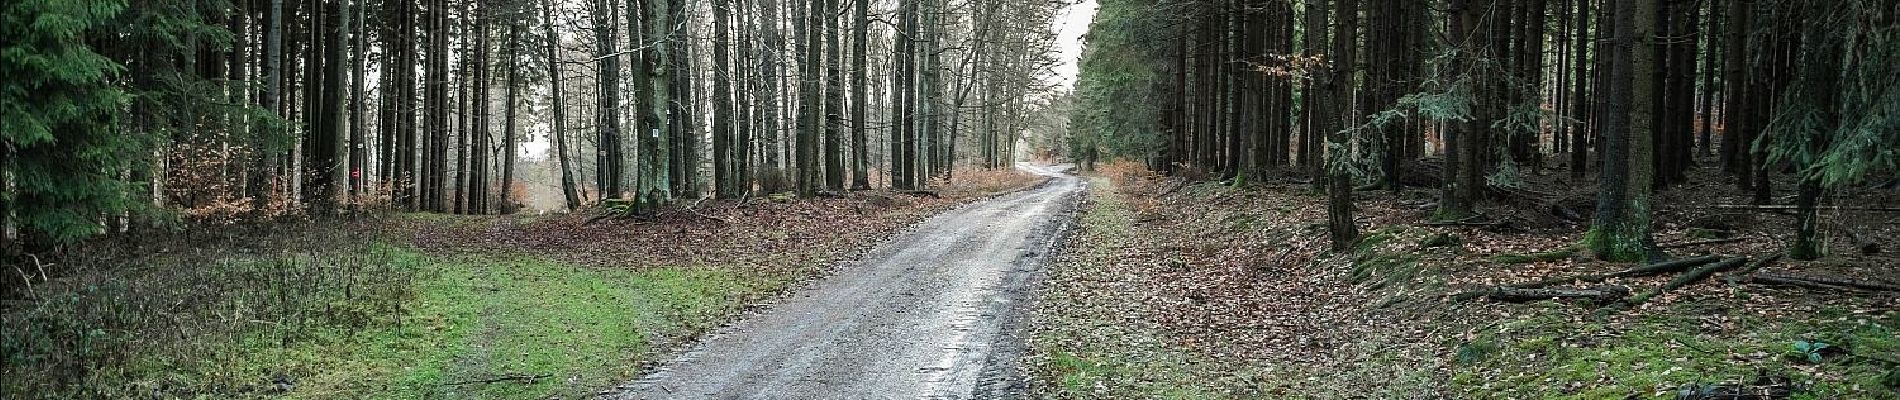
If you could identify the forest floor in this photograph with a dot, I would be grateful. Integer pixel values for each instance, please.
(423, 305)
(1188, 290)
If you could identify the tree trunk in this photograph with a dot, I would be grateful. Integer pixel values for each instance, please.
(860, 84)
(655, 88)
(569, 192)
(1621, 230)
(1339, 208)
(510, 143)
(827, 14)
(724, 184)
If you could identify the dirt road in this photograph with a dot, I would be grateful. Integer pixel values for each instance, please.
(934, 313)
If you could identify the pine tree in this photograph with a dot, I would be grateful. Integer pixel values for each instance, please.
(59, 168)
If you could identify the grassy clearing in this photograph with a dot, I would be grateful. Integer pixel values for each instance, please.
(383, 323)
(535, 328)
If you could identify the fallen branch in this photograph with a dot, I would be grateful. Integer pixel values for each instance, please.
(921, 193)
(1470, 221)
(504, 378)
(1764, 261)
(1700, 243)
(1647, 270)
(1779, 207)
(1600, 294)
(1691, 277)
(1665, 267)
(1821, 282)
(1463, 223)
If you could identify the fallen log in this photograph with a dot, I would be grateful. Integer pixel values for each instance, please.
(1665, 267)
(1764, 261)
(1689, 278)
(1647, 270)
(1702, 272)
(1462, 223)
(1821, 282)
(1599, 294)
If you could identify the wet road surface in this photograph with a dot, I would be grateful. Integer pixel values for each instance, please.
(934, 313)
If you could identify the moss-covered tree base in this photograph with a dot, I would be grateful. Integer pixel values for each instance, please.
(1621, 243)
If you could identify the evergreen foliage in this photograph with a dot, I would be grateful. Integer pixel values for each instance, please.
(1840, 118)
(64, 159)
(1116, 99)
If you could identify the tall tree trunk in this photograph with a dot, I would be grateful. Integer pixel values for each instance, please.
(771, 52)
(569, 192)
(510, 143)
(654, 73)
(1461, 138)
(827, 13)
(1339, 209)
(860, 84)
(262, 181)
(1315, 118)
(326, 149)
(358, 172)
(1579, 134)
(607, 150)
(724, 161)
(1621, 229)
(903, 129)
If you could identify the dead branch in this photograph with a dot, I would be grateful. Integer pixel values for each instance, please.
(1647, 270)
(504, 378)
(1764, 261)
(1665, 267)
(1691, 277)
(1821, 282)
(921, 193)
(1463, 223)
(1600, 294)
(1783, 207)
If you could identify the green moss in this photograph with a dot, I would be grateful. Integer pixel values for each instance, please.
(1442, 240)
(1550, 356)
(1475, 352)
(1614, 246)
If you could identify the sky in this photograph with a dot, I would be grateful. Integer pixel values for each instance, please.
(1071, 23)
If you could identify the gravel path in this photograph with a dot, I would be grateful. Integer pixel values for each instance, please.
(934, 313)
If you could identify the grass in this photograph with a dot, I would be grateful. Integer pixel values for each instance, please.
(571, 329)
(388, 322)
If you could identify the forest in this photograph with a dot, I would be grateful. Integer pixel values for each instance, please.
(960, 199)
(1477, 98)
(195, 111)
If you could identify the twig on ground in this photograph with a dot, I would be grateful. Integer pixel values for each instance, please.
(503, 378)
(1700, 242)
